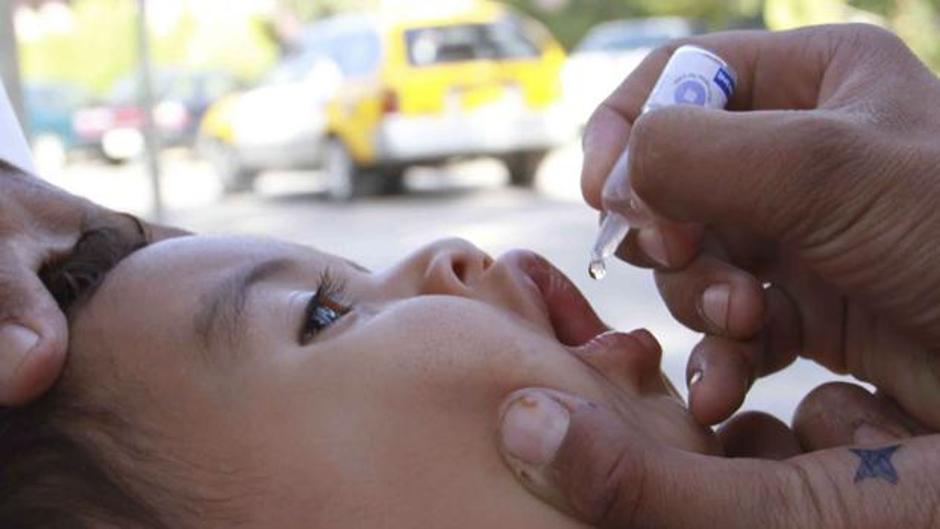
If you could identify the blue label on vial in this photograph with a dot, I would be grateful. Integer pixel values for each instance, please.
(724, 81)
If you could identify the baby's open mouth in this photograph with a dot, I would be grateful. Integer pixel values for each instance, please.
(572, 317)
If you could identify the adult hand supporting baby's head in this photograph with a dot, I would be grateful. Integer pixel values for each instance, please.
(804, 222)
(38, 223)
(863, 470)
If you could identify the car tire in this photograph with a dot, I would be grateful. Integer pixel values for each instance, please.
(523, 167)
(391, 181)
(234, 176)
(344, 179)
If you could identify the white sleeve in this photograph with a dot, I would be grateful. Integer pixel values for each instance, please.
(13, 147)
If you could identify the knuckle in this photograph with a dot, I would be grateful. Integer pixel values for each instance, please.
(867, 44)
(873, 36)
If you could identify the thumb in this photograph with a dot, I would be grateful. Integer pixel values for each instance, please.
(771, 170)
(583, 459)
(33, 335)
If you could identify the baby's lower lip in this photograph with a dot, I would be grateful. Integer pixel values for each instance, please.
(572, 318)
(615, 340)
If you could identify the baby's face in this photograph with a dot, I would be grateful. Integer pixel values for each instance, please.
(371, 404)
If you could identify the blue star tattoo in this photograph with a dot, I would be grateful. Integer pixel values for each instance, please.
(876, 464)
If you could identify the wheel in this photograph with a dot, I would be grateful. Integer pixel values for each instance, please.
(391, 181)
(234, 176)
(523, 167)
(343, 177)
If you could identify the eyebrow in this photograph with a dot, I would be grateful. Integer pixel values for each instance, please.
(223, 308)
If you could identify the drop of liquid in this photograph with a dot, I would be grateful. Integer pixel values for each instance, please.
(597, 270)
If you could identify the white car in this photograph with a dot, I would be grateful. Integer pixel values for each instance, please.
(280, 124)
(607, 55)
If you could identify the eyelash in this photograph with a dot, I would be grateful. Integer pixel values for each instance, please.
(324, 304)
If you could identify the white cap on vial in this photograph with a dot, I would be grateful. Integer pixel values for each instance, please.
(14, 149)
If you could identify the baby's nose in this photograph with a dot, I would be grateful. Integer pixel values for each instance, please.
(454, 266)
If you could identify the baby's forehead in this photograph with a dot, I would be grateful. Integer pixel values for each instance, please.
(206, 254)
(168, 277)
(141, 321)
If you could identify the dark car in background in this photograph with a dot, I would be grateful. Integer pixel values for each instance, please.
(180, 100)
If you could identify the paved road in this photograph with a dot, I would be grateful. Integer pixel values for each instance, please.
(469, 200)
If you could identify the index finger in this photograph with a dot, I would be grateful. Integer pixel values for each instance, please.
(783, 70)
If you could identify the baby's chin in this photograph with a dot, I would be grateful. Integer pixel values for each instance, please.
(666, 420)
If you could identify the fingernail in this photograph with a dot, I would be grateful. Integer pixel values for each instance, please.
(695, 378)
(533, 428)
(16, 342)
(715, 302)
(653, 245)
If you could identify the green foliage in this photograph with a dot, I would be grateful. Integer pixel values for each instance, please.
(102, 46)
(915, 21)
(307, 10)
(100, 49)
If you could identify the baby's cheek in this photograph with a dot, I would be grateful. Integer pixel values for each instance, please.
(460, 352)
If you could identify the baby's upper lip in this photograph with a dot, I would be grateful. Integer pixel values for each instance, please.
(572, 318)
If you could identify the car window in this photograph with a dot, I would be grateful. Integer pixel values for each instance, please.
(467, 42)
(357, 53)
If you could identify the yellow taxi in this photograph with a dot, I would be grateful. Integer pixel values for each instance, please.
(428, 86)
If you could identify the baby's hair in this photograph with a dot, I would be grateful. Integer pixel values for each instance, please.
(57, 455)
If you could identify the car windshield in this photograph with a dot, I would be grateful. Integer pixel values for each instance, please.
(469, 42)
(355, 49)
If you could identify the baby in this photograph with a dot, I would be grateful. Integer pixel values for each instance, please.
(221, 382)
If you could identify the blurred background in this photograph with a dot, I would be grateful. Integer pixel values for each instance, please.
(368, 128)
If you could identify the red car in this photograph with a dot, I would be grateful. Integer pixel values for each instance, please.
(180, 100)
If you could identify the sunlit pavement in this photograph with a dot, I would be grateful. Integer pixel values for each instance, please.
(469, 200)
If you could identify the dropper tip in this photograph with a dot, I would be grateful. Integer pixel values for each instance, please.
(597, 269)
